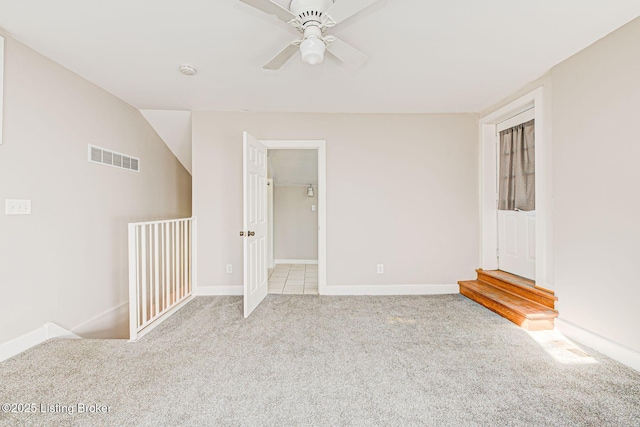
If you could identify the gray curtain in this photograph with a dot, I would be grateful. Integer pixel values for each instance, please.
(517, 168)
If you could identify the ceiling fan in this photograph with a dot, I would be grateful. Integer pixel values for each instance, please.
(312, 18)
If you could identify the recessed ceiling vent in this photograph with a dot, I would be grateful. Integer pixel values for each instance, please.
(111, 158)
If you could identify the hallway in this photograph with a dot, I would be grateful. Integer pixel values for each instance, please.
(294, 279)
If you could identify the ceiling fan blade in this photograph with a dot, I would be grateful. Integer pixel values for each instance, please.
(279, 60)
(343, 9)
(347, 53)
(267, 6)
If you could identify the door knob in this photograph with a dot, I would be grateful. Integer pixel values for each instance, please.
(251, 233)
(241, 233)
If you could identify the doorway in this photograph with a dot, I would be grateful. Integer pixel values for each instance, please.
(255, 212)
(540, 234)
(292, 176)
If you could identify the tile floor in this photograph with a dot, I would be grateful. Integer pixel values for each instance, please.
(294, 279)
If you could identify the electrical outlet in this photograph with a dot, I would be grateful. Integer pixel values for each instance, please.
(380, 269)
(229, 268)
(17, 207)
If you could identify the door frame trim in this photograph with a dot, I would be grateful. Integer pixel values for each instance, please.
(270, 257)
(488, 184)
(321, 146)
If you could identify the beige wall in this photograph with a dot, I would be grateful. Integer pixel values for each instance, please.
(401, 190)
(295, 234)
(596, 107)
(67, 261)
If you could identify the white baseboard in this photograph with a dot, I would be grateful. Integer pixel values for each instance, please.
(110, 324)
(33, 338)
(348, 290)
(391, 290)
(618, 352)
(219, 290)
(296, 261)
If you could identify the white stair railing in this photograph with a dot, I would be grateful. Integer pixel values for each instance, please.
(161, 271)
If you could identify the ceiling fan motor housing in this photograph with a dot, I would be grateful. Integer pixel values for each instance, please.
(310, 12)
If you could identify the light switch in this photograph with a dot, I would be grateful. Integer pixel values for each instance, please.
(17, 207)
(313, 208)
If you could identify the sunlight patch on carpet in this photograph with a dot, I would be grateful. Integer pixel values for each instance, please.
(560, 348)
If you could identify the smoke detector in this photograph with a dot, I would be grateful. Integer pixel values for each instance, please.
(187, 70)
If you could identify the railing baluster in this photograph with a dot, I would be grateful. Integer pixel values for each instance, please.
(189, 243)
(182, 252)
(156, 242)
(175, 261)
(143, 256)
(192, 252)
(180, 261)
(165, 262)
(133, 279)
(139, 298)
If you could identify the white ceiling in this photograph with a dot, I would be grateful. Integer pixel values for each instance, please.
(293, 167)
(424, 56)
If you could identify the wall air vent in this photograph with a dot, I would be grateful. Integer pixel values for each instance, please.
(111, 158)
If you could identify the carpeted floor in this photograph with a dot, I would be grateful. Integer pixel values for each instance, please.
(324, 361)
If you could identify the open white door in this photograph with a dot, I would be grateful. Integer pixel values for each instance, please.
(254, 222)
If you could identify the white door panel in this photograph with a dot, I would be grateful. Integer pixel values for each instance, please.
(511, 235)
(254, 222)
(517, 243)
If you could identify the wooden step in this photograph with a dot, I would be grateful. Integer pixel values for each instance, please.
(525, 313)
(517, 285)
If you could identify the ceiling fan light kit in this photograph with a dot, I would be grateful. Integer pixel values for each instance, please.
(313, 46)
(312, 18)
(312, 50)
